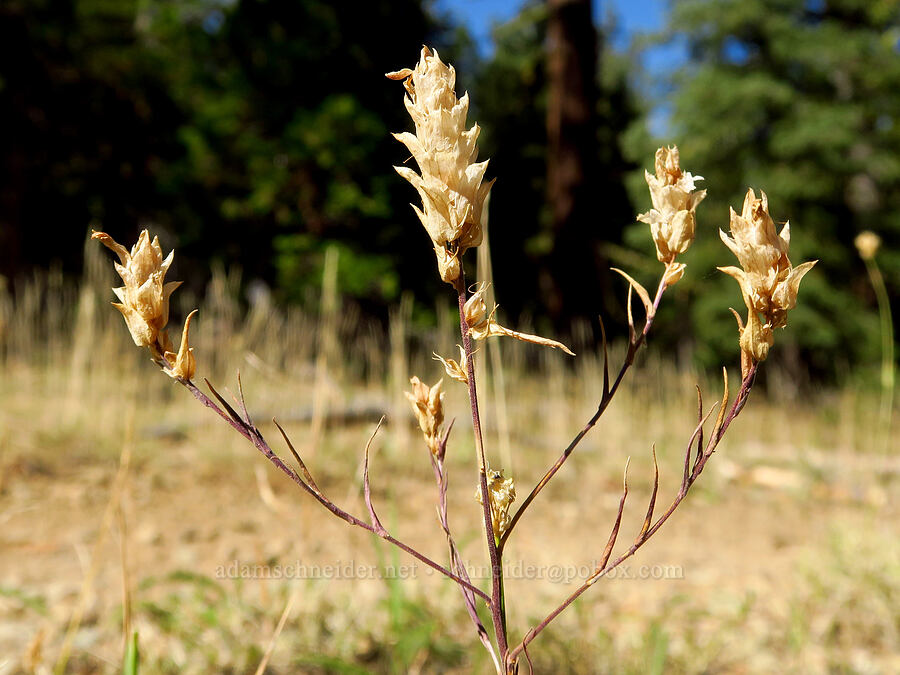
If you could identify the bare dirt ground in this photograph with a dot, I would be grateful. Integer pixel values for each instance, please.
(124, 506)
(785, 558)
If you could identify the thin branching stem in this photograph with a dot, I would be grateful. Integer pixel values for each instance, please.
(497, 614)
(634, 344)
(252, 434)
(456, 562)
(646, 533)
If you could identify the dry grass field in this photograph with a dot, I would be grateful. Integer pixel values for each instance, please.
(124, 506)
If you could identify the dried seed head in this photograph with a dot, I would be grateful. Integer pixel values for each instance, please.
(502, 492)
(769, 284)
(675, 201)
(867, 243)
(428, 406)
(450, 183)
(144, 297)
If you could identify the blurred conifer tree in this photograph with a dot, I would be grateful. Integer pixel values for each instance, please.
(799, 98)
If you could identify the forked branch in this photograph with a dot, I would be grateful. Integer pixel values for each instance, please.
(635, 341)
(691, 474)
(248, 430)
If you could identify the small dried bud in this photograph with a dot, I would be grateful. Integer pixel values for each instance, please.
(450, 183)
(183, 364)
(144, 297)
(502, 492)
(674, 272)
(769, 284)
(671, 219)
(475, 309)
(867, 243)
(457, 370)
(428, 406)
(482, 325)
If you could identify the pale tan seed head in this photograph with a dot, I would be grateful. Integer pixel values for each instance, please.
(675, 199)
(144, 297)
(428, 406)
(450, 182)
(768, 281)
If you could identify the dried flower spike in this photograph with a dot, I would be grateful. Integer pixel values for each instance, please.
(768, 282)
(428, 406)
(450, 183)
(502, 492)
(144, 297)
(672, 221)
(482, 325)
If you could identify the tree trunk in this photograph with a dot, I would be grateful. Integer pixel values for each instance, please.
(569, 282)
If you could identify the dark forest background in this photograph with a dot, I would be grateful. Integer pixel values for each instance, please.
(256, 133)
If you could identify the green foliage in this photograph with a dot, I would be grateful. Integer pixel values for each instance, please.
(230, 125)
(799, 99)
(257, 133)
(132, 656)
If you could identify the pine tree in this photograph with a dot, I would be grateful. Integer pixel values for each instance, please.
(799, 98)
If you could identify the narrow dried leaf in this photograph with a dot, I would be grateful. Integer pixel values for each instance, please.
(306, 474)
(231, 411)
(648, 519)
(690, 444)
(699, 417)
(496, 329)
(721, 417)
(241, 394)
(641, 291)
(367, 494)
(611, 542)
(630, 316)
(605, 358)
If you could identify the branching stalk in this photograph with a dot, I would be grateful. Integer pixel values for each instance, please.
(646, 533)
(635, 342)
(252, 434)
(456, 562)
(494, 553)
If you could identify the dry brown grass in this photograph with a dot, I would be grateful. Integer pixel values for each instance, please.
(784, 560)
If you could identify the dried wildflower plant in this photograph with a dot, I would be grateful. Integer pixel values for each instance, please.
(451, 182)
(144, 302)
(452, 188)
(769, 283)
(672, 219)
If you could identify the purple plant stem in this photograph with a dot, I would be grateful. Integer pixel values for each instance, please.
(497, 611)
(252, 434)
(686, 484)
(608, 394)
(456, 562)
